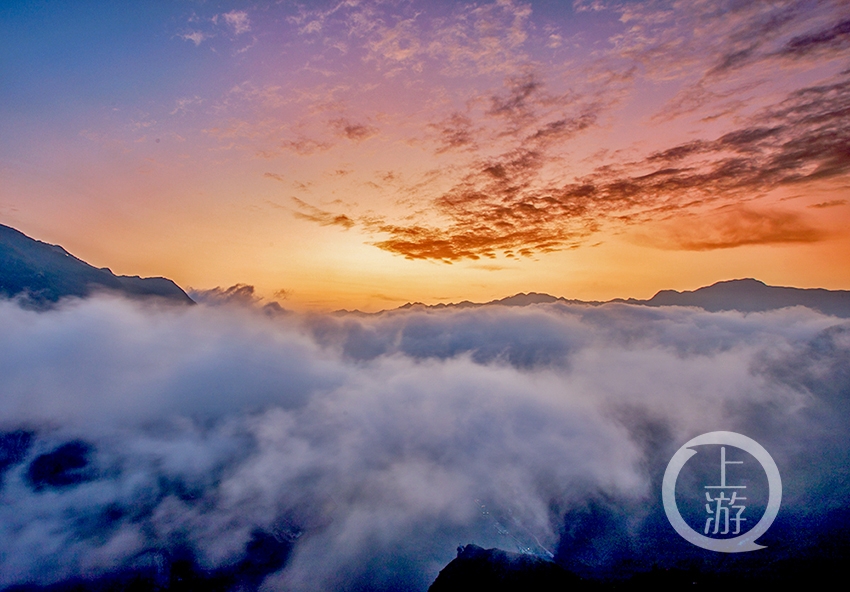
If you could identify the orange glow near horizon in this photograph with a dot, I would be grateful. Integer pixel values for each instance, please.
(361, 156)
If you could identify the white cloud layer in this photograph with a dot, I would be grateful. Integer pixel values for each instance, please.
(370, 445)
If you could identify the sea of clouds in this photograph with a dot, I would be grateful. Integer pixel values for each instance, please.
(347, 451)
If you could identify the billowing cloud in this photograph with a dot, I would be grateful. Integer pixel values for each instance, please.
(220, 444)
(235, 294)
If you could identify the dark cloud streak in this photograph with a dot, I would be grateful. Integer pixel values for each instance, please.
(832, 39)
(356, 132)
(311, 213)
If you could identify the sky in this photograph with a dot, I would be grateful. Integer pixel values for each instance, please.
(367, 153)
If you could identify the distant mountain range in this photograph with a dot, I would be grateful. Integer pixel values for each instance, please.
(42, 273)
(750, 295)
(744, 295)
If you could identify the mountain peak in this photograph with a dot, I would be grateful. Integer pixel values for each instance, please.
(743, 295)
(752, 295)
(44, 273)
(476, 568)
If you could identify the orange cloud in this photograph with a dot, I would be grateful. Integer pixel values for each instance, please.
(735, 227)
(356, 132)
(321, 217)
(829, 204)
(504, 206)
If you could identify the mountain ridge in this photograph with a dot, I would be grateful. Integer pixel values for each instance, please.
(42, 273)
(743, 295)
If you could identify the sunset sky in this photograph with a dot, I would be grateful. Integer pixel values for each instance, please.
(363, 154)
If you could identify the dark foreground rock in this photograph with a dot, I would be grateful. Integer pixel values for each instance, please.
(494, 570)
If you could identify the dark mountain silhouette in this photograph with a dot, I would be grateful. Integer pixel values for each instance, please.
(751, 295)
(42, 273)
(494, 570)
(744, 295)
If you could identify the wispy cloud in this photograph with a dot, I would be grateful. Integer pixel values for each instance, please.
(829, 204)
(716, 47)
(455, 132)
(483, 39)
(303, 146)
(238, 21)
(512, 186)
(464, 39)
(196, 37)
(356, 132)
(268, 121)
(504, 206)
(732, 227)
(183, 105)
(309, 212)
